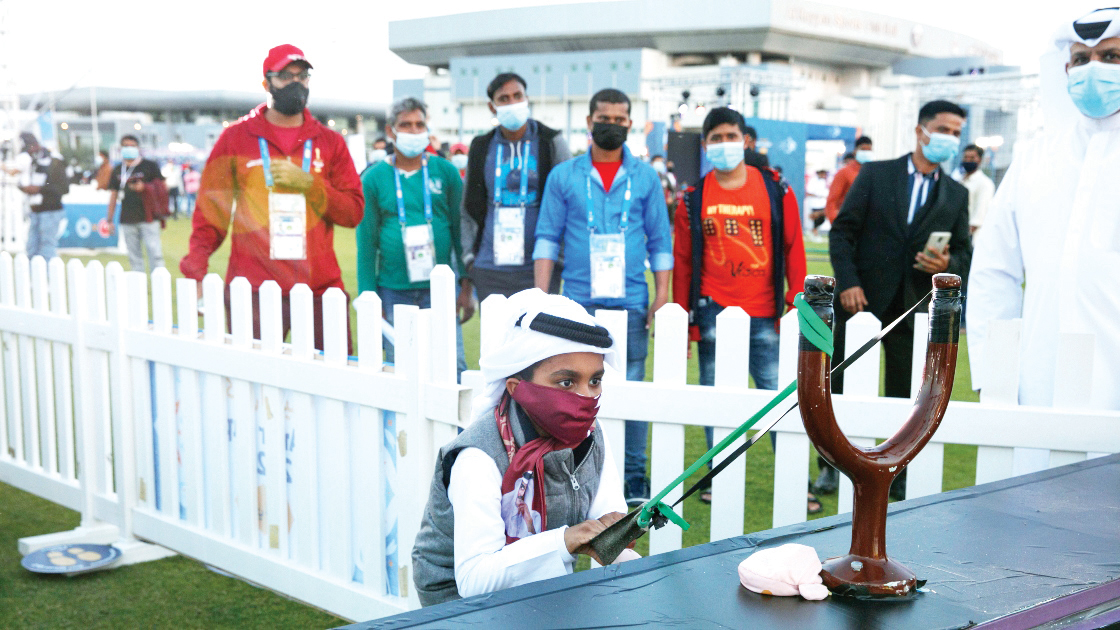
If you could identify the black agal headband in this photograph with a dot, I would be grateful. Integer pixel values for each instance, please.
(564, 328)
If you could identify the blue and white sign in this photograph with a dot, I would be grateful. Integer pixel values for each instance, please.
(84, 225)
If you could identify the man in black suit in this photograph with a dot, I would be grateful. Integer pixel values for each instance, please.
(878, 241)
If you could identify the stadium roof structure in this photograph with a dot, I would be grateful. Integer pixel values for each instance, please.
(139, 100)
(795, 28)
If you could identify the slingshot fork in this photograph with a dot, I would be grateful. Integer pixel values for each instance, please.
(867, 571)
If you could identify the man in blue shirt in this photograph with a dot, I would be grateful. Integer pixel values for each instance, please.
(606, 209)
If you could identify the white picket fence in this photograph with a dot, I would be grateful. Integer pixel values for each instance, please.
(1012, 439)
(307, 473)
(303, 472)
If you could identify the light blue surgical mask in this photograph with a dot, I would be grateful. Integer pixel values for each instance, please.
(411, 144)
(942, 147)
(725, 156)
(513, 116)
(863, 156)
(130, 153)
(1095, 88)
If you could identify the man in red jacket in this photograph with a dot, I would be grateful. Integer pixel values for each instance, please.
(842, 182)
(738, 243)
(292, 181)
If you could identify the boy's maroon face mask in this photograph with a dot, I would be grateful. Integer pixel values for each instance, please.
(565, 416)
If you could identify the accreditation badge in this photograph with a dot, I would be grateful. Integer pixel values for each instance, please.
(509, 235)
(608, 266)
(287, 226)
(419, 251)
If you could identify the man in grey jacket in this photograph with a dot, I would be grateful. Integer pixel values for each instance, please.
(506, 172)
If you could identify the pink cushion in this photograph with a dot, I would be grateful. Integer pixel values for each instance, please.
(787, 570)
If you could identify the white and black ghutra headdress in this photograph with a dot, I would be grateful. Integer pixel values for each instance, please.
(1091, 29)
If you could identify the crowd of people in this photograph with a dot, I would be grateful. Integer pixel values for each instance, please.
(514, 213)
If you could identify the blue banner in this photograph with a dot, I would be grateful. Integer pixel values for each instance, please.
(85, 226)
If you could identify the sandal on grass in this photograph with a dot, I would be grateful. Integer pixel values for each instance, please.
(814, 505)
(706, 497)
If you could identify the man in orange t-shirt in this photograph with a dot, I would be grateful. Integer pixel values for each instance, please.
(738, 243)
(842, 182)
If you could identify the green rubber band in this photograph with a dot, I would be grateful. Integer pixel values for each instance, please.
(819, 334)
(812, 326)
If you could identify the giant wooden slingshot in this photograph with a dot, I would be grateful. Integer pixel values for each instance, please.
(867, 571)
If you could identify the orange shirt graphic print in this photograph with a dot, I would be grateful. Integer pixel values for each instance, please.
(737, 263)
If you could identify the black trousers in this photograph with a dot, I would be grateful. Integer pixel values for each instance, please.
(898, 346)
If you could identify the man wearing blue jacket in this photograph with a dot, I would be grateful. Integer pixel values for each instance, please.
(606, 209)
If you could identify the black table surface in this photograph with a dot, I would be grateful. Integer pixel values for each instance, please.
(989, 553)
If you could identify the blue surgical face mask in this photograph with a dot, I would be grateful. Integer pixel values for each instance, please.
(411, 144)
(725, 156)
(130, 153)
(942, 147)
(513, 116)
(1095, 88)
(863, 156)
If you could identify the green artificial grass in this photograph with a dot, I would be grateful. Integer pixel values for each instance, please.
(178, 592)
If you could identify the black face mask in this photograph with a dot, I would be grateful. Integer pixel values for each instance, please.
(290, 99)
(607, 136)
(970, 167)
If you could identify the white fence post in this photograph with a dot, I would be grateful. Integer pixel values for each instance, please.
(1073, 385)
(62, 382)
(410, 359)
(733, 332)
(246, 502)
(302, 439)
(614, 428)
(791, 457)
(860, 379)
(1001, 387)
(102, 390)
(44, 370)
(924, 474)
(13, 429)
(123, 415)
(334, 448)
(273, 490)
(167, 408)
(28, 373)
(214, 420)
(670, 367)
(85, 413)
(372, 484)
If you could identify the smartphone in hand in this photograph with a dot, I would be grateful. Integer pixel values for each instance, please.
(937, 241)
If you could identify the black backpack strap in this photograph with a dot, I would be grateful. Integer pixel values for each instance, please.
(776, 190)
(694, 199)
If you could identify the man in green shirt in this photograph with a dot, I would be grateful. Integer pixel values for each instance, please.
(411, 220)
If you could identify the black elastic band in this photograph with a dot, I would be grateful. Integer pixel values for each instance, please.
(706, 481)
(571, 330)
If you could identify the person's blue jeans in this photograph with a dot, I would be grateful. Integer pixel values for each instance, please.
(637, 431)
(763, 364)
(42, 237)
(423, 299)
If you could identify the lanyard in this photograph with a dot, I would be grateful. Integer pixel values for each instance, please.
(125, 175)
(499, 184)
(622, 222)
(400, 192)
(266, 161)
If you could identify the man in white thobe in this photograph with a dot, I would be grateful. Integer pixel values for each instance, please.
(1055, 222)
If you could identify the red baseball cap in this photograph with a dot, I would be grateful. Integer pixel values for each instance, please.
(281, 56)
